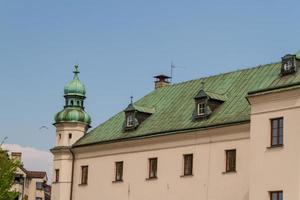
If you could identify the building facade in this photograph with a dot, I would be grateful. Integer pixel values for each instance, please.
(223, 137)
(30, 185)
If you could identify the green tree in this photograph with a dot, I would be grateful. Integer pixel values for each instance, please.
(8, 168)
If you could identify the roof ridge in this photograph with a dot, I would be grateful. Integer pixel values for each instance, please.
(224, 73)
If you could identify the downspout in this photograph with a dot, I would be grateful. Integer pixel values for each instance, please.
(72, 173)
(23, 188)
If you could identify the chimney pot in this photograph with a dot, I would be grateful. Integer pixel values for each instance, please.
(161, 81)
(16, 156)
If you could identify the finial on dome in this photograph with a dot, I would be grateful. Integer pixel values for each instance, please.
(76, 71)
(131, 99)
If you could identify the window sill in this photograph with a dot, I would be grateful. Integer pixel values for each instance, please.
(151, 179)
(117, 181)
(82, 184)
(186, 176)
(275, 146)
(229, 172)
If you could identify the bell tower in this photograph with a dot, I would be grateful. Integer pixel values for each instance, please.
(71, 124)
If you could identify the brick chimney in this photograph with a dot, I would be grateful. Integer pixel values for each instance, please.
(16, 156)
(161, 81)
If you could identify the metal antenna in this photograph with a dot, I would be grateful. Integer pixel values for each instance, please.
(172, 67)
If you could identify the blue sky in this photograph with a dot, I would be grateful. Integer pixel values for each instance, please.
(119, 46)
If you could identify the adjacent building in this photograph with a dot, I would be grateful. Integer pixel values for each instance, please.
(31, 185)
(232, 136)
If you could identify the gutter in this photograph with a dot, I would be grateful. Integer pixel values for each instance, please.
(72, 173)
(273, 88)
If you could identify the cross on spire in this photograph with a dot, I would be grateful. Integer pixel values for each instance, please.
(76, 71)
(131, 99)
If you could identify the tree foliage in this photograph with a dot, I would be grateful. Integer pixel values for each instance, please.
(8, 168)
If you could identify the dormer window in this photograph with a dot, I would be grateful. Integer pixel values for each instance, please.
(206, 103)
(130, 120)
(288, 64)
(135, 115)
(201, 109)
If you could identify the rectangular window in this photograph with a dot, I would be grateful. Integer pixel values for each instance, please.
(277, 132)
(38, 198)
(130, 120)
(201, 108)
(152, 168)
(84, 175)
(56, 175)
(119, 171)
(39, 185)
(230, 160)
(188, 164)
(276, 195)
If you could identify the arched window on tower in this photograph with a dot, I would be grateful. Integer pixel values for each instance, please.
(72, 102)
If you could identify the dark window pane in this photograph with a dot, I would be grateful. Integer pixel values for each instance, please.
(84, 174)
(280, 131)
(153, 168)
(280, 140)
(280, 196)
(277, 132)
(119, 171)
(274, 140)
(230, 160)
(188, 164)
(280, 123)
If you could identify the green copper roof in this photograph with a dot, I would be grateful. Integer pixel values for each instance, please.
(72, 115)
(298, 55)
(174, 105)
(75, 87)
(132, 107)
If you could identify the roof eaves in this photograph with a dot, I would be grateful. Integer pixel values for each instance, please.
(165, 133)
(274, 89)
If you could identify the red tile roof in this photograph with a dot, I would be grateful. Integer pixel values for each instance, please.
(36, 174)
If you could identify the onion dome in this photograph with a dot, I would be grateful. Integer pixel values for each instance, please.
(72, 115)
(75, 87)
(74, 102)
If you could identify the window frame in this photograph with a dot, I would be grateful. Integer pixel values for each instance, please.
(186, 170)
(36, 185)
(152, 168)
(56, 175)
(279, 143)
(130, 120)
(228, 166)
(84, 175)
(278, 192)
(201, 107)
(117, 165)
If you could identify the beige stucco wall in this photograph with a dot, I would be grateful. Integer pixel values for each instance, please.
(20, 188)
(276, 168)
(208, 182)
(77, 130)
(32, 192)
(62, 159)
